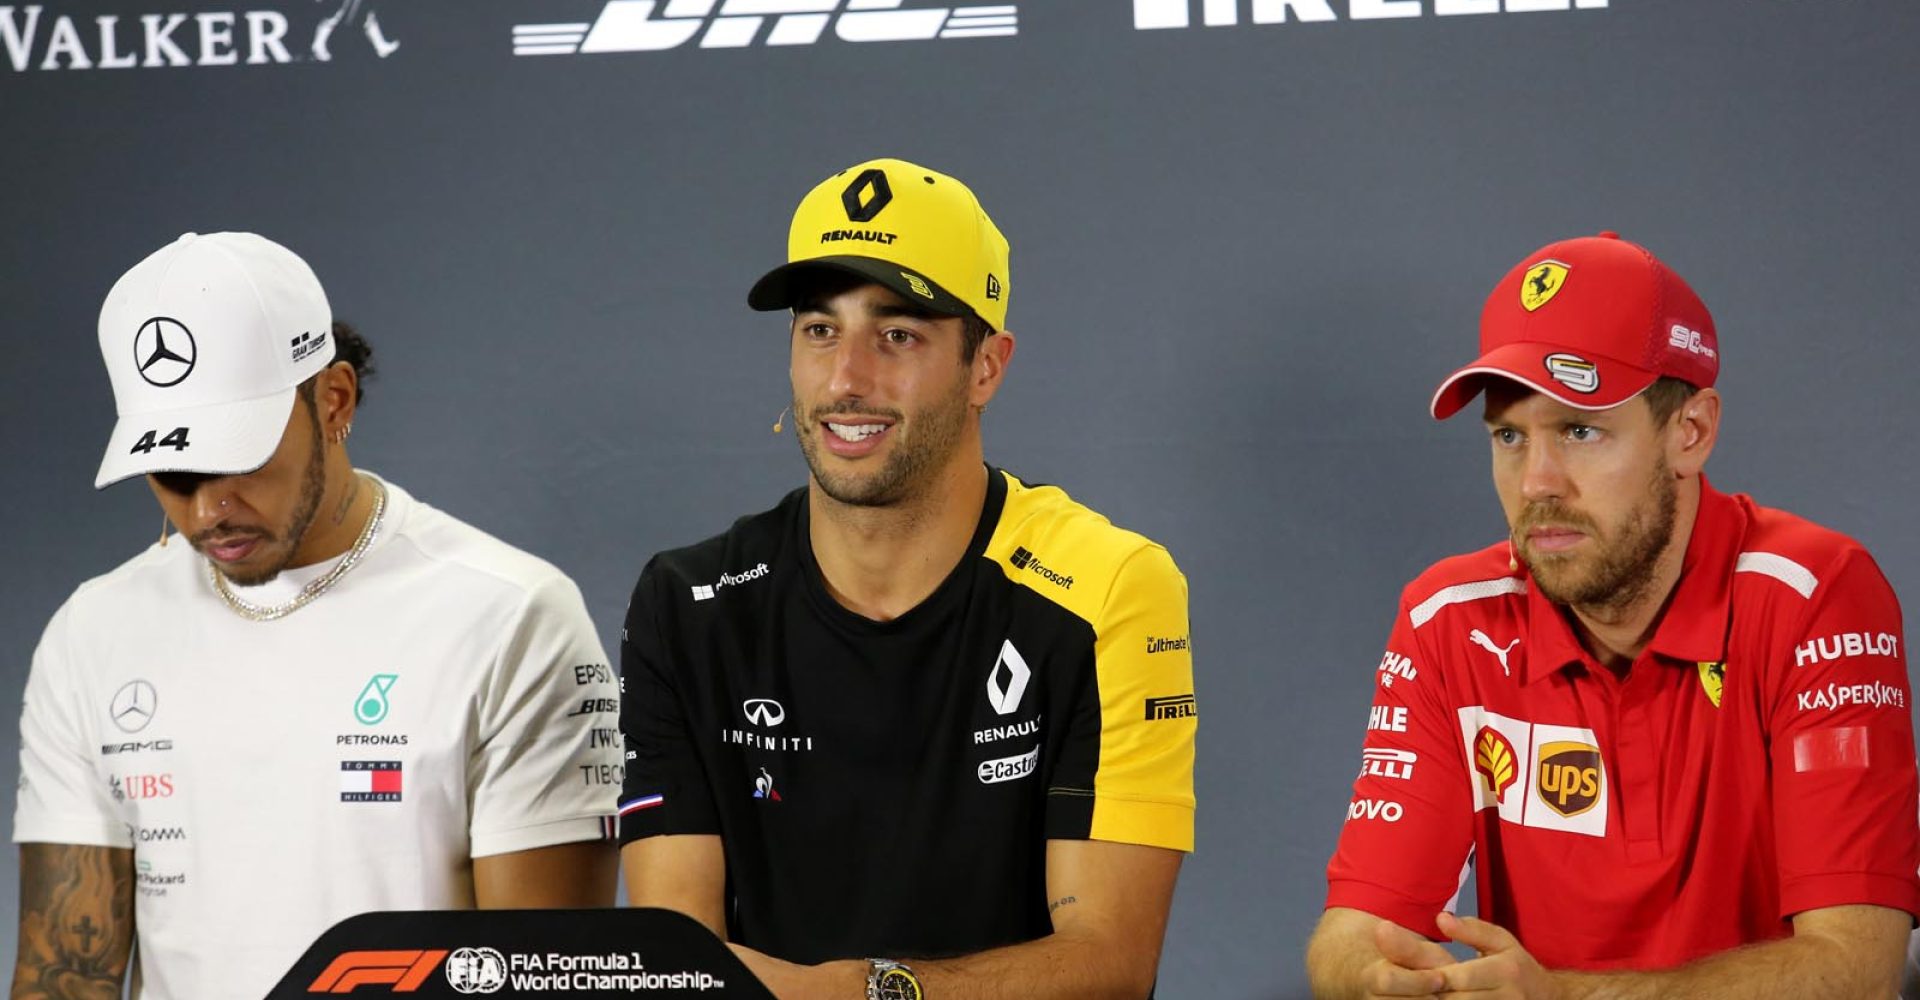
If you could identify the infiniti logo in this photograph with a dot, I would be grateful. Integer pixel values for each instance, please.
(164, 352)
(133, 706)
(764, 712)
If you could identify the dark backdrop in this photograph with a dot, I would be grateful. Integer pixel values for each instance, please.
(1244, 253)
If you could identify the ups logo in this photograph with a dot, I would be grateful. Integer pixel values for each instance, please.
(1571, 777)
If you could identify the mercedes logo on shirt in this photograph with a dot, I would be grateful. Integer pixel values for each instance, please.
(164, 351)
(133, 706)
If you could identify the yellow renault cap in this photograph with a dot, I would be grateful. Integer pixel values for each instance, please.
(916, 231)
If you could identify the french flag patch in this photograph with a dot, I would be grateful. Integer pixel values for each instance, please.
(370, 780)
(644, 802)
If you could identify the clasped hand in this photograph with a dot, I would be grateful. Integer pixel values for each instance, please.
(1412, 966)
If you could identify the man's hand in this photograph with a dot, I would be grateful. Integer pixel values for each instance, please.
(844, 980)
(1504, 970)
(1407, 963)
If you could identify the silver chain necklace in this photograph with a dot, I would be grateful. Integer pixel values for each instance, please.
(268, 612)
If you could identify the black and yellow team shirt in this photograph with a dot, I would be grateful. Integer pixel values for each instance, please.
(888, 788)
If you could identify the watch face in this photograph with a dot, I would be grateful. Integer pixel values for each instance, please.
(899, 984)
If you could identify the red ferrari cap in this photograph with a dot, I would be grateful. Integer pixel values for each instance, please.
(1591, 322)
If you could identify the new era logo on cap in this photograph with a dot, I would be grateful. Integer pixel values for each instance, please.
(1591, 322)
(204, 342)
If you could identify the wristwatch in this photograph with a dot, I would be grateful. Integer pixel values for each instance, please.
(891, 980)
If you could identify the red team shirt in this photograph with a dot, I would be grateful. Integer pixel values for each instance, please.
(1755, 762)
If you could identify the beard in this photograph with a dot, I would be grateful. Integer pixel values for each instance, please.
(1620, 571)
(921, 446)
(277, 548)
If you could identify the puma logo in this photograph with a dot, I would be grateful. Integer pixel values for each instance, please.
(1480, 639)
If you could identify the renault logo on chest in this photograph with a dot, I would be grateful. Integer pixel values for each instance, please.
(1007, 681)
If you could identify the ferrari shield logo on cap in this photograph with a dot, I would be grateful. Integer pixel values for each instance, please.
(1542, 282)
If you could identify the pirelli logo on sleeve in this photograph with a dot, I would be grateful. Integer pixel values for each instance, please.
(1179, 706)
(1536, 775)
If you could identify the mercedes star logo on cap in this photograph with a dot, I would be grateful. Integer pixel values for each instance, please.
(164, 351)
(133, 706)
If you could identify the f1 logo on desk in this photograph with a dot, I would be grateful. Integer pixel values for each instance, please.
(404, 970)
(631, 25)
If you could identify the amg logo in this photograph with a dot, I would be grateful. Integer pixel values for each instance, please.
(630, 25)
(1022, 559)
(1180, 706)
(870, 236)
(1150, 14)
(109, 749)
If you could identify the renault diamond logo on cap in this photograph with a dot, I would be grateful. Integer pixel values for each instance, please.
(860, 206)
(1543, 281)
(164, 352)
(133, 706)
(1574, 372)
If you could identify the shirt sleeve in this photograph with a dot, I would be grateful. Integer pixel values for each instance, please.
(666, 790)
(1403, 852)
(546, 768)
(1145, 719)
(1842, 751)
(61, 799)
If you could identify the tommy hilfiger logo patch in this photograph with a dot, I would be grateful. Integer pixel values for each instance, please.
(370, 780)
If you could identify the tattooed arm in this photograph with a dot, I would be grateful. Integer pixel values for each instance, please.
(76, 922)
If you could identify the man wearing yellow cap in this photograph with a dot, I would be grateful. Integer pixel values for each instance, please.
(921, 730)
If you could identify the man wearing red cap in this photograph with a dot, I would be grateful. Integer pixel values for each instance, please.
(1661, 721)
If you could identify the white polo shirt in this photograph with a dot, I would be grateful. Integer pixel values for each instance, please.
(447, 699)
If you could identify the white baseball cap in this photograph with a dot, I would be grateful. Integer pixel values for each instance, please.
(205, 341)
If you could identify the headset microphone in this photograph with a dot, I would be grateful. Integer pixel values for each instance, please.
(777, 421)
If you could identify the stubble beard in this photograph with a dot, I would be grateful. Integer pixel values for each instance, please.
(313, 484)
(1620, 574)
(910, 467)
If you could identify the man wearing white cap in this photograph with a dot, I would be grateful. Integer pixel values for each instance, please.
(332, 699)
(922, 731)
(1669, 726)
